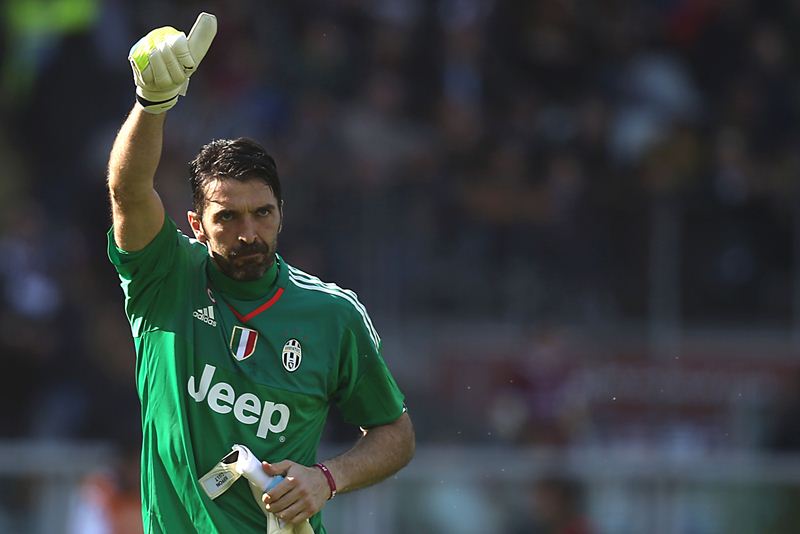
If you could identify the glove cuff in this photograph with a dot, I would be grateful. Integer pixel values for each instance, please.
(160, 101)
(156, 107)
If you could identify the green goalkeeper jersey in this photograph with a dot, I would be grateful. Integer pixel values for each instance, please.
(220, 362)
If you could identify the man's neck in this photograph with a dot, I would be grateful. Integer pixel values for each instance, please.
(240, 289)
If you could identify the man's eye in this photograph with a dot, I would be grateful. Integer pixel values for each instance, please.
(225, 216)
(263, 211)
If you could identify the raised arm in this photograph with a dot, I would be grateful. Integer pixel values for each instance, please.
(136, 209)
(162, 62)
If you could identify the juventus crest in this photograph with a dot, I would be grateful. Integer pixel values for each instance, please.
(292, 355)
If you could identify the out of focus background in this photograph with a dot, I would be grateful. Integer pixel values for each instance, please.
(575, 224)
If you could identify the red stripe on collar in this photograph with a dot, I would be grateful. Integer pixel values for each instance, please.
(263, 307)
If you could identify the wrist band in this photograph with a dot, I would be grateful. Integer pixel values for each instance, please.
(329, 478)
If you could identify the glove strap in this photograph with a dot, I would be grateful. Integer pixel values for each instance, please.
(328, 477)
(145, 102)
(155, 107)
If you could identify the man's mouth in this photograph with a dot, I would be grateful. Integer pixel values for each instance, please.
(248, 257)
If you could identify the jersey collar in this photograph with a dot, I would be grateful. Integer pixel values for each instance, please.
(273, 278)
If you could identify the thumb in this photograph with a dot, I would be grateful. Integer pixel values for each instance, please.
(279, 468)
(200, 37)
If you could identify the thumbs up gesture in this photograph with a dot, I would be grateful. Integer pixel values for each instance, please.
(164, 60)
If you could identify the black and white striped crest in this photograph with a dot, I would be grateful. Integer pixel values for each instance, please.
(292, 355)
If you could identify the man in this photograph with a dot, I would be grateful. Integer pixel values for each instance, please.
(233, 344)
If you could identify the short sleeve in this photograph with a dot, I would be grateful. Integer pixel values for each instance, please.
(368, 395)
(153, 261)
(143, 273)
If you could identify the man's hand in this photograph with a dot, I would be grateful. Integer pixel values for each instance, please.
(164, 59)
(301, 495)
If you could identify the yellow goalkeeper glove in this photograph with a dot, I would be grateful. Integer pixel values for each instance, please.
(164, 59)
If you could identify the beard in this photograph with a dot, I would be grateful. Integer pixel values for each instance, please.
(246, 262)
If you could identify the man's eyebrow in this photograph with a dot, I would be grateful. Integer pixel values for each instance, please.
(220, 210)
(221, 207)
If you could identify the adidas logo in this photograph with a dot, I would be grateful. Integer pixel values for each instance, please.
(206, 315)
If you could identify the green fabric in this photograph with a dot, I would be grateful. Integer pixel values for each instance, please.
(198, 400)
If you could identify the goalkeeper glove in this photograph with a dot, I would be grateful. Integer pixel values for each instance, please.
(164, 59)
(242, 462)
(249, 466)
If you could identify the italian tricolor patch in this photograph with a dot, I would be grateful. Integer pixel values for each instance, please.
(243, 342)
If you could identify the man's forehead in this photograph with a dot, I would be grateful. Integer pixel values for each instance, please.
(232, 192)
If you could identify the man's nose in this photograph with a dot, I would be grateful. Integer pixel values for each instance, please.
(247, 232)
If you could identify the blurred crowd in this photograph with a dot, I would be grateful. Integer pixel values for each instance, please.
(455, 161)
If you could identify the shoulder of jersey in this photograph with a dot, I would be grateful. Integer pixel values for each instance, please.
(197, 250)
(344, 301)
(323, 293)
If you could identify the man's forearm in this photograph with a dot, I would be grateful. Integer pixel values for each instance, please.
(135, 155)
(136, 209)
(381, 452)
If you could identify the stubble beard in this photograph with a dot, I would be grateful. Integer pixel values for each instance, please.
(247, 269)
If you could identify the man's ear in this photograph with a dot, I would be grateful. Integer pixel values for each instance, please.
(197, 226)
(280, 212)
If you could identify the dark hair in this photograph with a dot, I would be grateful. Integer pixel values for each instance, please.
(238, 159)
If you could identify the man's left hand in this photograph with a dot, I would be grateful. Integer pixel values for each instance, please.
(302, 494)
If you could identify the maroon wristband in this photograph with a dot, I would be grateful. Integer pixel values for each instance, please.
(329, 478)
